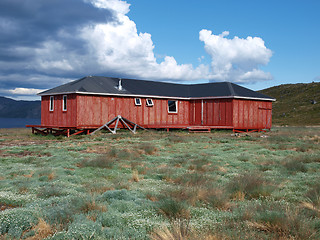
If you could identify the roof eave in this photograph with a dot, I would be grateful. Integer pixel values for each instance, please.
(256, 98)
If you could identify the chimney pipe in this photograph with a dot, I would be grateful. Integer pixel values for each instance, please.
(120, 85)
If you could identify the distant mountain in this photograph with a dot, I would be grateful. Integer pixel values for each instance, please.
(297, 104)
(10, 108)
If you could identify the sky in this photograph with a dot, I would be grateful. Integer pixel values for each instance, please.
(257, 44)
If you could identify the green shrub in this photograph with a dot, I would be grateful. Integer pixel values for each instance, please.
(173, 209)
(12, 199)
(244, 157)
(200, 164)
(126, 233)
(50, 190)
(122, 194)
(313, 195)
(111, 218)
(176, 139)
(59, 215)
(216, 198)
(266, 166)
(294, 165)
(308, 158)
(182, 193)
(285, 221)
(303, 147)
(83, 228)
(148, 148)
(280, 139)
(102, 161)
(192, 179)
(252, 185)
(125, 154)
(61, 211)
(15, 221)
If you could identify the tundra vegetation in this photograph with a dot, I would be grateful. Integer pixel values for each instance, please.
(159, 185)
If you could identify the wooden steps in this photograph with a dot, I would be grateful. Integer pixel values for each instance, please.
(199, 129)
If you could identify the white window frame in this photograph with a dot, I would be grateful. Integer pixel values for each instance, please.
(51, 104)
(137, 103)
(64, 102)
(176, 103)
(149, 102)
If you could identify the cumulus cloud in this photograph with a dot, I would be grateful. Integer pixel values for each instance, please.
(121, 7)
(47, 43)
(25, 91)
(120, 49)
(236, 59)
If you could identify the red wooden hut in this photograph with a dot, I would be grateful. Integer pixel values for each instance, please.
(90, 102)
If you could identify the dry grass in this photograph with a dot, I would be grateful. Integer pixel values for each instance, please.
(51, 176)
(91, 205)
(148, 148)
(42, 230)
(135, 176)
(180, 230)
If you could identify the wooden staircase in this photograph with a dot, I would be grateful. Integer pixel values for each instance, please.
(199, 129)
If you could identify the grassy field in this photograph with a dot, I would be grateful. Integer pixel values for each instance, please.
(161, 186)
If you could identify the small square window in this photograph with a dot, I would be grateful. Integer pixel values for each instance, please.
(64, 103)
(137, 101)
(149, 102)
(172, 107)
(51, 104)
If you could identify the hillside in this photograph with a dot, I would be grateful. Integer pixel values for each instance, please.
(294, 103)
(10, 108)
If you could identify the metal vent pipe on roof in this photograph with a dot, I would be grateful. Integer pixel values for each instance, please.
(120, 85)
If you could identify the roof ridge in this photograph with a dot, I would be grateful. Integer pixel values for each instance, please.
(231, 89)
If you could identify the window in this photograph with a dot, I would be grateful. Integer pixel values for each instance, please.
(149, 102)
(64, 103)
(172, 107)
(51, 104)
(137, 101)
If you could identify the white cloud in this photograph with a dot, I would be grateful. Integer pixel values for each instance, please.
(116, 48)
(119, 48)
(236, 59)
(22, 92)
(25, 91)
(121, 7)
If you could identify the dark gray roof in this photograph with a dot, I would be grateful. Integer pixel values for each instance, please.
(131, 87)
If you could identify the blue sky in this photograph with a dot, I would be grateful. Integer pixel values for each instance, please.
(290, 29)
(257, 44)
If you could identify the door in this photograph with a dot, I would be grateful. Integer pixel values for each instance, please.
(198, 114)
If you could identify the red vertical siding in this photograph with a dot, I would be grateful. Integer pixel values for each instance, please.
(97, 110)
(252, 114)
(216, 112)
(92, 110)
(58, 117)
